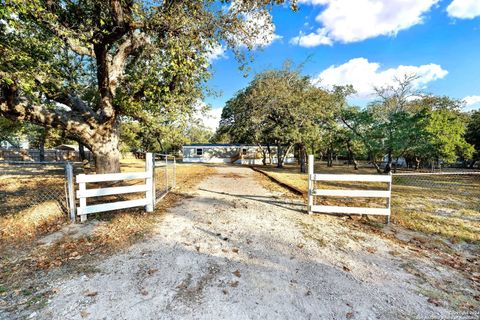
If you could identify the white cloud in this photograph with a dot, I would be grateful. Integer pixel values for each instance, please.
(464, 9)
(364, 76)
(472, 102)
(212, 118)
(312, 39)
(351, 21)
(216, 52)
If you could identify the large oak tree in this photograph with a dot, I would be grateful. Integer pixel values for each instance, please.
(83, 65)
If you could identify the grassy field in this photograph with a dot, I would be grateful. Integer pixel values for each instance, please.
(448, 206)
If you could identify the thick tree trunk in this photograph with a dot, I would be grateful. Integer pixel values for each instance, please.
(107, 158)
(105, 148)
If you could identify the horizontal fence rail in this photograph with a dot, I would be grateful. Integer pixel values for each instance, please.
(106, 177)
(347, 193)
(350, 177)
(147, 188)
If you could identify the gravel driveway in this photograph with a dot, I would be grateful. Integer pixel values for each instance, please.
(234, 250)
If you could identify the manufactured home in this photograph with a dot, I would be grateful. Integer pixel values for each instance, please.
(231, 153)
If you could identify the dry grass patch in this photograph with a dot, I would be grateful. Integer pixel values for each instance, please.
(445, 206)
(31, 204)
(31, 222)
(452, 228)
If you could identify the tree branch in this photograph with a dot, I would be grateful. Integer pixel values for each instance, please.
(16, 108)
(72, 41)
(117, 62)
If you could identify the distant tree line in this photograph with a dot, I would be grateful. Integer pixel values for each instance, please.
(286, 109)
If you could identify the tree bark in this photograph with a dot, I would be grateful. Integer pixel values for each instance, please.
(351, 156)
(105, 148)
(270, 157)
(279, 156)
(264, 154)
(388, 166)
(285, 154)
(329, 158)
(81, 151)
(417, 163)
(302, 156)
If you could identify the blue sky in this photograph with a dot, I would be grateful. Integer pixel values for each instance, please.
(366, 43)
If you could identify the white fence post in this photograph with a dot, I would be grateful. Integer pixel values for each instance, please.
(83, 201)
(149, 182)
(154, 182)
(389, 199)
(310, 182)
(70, 190)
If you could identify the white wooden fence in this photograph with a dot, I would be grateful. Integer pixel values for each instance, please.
(148, 188)
(347, 193)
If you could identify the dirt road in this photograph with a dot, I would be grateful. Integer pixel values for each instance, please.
(234, 250)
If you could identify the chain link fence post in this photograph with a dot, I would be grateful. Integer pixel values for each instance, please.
(70, 190)
(166, 173)
(174, 172)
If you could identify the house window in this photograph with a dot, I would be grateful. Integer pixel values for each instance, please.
(199, 151)
(244, 151)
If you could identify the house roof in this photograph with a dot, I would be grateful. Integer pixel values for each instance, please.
(70, 147)
(213, 145)
(220, 145)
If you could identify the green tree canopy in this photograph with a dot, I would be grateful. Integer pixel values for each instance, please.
(279, 107)
(472, 135)
(80, 66)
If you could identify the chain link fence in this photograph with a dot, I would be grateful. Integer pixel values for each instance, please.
(32, 187)
(450, 181)
(34, 190)
(446, 194)
(164, 174)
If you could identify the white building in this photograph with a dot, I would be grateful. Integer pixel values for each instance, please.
(231, 153)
